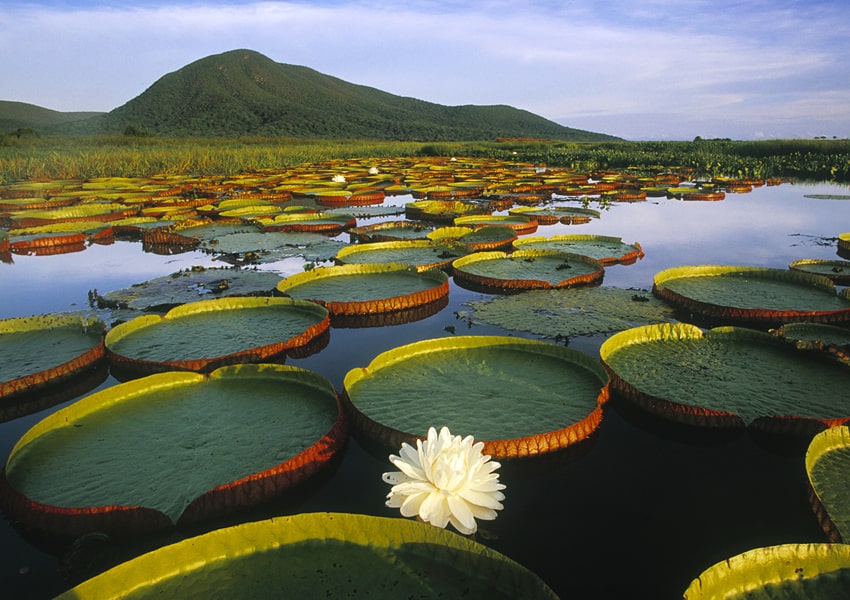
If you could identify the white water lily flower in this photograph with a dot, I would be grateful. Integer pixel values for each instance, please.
(338, 178)
(373, 171)
(445, 479)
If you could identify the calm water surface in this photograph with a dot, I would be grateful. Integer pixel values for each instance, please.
(642, 512)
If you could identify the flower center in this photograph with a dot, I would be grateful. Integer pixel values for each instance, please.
(449, 472)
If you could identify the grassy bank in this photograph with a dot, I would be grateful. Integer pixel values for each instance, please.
(28, 157)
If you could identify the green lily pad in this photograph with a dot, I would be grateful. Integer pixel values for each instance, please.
(549, 215)
(171, 448)
(522, 224)
(489, 237)
(836, 270)
(539, 396)
(315, 222)
(320, 555)
(729, 376)
(191, 285)
(606, 249)
(45, 244)
(525, 269)
(391, 231)
(815, 336)
(367, 212)
(788, 571)
(843, 249)
(422, 254)
(45, 350)
(565, 313)
(828, 467)
(368, 288)
(92, 211)
(753, 295)
(204, 335)
(257, 247)
(442, 210)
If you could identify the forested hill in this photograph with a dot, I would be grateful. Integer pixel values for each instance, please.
(15, 116)
(244, 93)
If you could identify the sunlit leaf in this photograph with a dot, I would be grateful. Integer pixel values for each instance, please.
(171, 448)
(321, 555)
(577, 311)
(788, 571)
(727, 376)
(538, 396)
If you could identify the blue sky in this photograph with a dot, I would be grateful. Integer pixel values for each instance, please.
(643, 69)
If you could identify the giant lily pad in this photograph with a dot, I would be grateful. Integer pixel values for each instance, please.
(489, 237)
(788, 571)
(836, 270)
(728, 376)
(549, 215)
(367, 212)
(844, 244)
(87, 212)
(606, 249)
(422, 254)
(816, 336)
(391, 231)
(271, 246)
(525, 269)
(46, 350)
(316, 222)
(752, 295)
(442, 210)
(522, 224)
(563, 313)
(48, 244)
(171, 448)
(190, 285)
(828, 467)
(202, 336)
(368, 289)
(319, 555)
(537, 396)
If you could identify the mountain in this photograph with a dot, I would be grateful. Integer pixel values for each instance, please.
(244, 93)
(20, 115)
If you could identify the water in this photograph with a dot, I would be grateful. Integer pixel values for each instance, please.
(647, 506)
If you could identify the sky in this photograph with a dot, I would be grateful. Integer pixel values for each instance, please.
(640, 70)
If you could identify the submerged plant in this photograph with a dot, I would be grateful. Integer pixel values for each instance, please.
(445, 479)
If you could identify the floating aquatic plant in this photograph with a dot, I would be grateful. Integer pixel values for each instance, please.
(565, 313)
(445, 479)
(321, 554)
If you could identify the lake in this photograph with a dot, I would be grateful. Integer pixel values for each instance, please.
(640, 512)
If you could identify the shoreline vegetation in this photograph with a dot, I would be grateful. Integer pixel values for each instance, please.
(26, 156)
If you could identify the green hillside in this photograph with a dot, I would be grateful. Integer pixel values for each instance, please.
(19, 115)
(244, 93)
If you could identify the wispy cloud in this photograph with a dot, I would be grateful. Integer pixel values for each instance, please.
(565, 61)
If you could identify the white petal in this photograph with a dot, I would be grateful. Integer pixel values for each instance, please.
(412, 470)
(486, 487)
(483, 514)
(461, 512)
(411, 505)
(483, 500)
(409, 454)
(395, 477)
(435, 510)
(463, 528)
